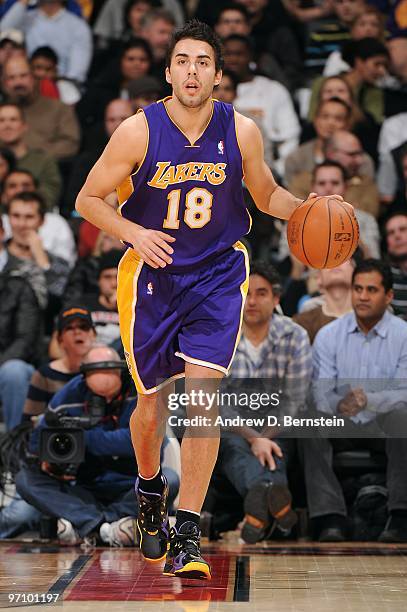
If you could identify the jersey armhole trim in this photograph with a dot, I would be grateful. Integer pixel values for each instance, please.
(140, 110)
(238, 141)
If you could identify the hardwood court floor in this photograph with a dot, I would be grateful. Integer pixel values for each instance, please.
(295, 577)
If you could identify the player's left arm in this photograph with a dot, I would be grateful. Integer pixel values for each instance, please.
(267, 195)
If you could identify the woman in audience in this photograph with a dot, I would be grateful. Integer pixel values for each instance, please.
(362, 123)
(134, 12)
(134, 61)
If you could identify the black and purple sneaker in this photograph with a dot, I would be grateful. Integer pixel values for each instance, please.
(152, 522)
(184, 556)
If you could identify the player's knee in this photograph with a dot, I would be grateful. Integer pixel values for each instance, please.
(147, 412)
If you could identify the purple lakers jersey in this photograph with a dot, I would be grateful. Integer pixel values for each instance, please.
(192, 191)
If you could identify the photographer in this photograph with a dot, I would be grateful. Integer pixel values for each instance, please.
(94, 496)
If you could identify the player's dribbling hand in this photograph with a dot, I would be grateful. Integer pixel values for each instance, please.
(152, 246)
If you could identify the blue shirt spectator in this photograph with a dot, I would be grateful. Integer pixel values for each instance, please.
(345, 356)
(52, 25)
(71, 5)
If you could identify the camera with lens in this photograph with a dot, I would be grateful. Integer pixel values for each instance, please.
(62, 442)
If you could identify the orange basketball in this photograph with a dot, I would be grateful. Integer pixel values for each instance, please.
(323, 232)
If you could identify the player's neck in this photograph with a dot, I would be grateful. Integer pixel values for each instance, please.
(192, 121)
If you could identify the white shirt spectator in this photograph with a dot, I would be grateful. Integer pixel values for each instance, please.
(271, 102)
(67, 34)
(56, 235)
(335, 64)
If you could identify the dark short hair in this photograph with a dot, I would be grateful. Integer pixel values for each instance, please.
(9, 157)
(364, 49)
(137, 43)
(234, 6)
(330, 164)
(246, 40)
(110, 259)
(46, 52)
(28, 197)
(267, 271)
(375, 265)
(336, 101)
(396, 212)
(23, 171)
(197, 31)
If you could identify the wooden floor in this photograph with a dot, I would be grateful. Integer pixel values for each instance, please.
(298, 577)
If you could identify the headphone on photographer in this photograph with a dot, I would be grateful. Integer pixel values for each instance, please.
(85, 368)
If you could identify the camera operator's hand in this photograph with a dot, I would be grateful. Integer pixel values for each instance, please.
(56, 471)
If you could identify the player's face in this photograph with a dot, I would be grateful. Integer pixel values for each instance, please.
(260, 301)
(192, 72)
(396, 236)
(328, 180)
(369, 298)
(331, 117)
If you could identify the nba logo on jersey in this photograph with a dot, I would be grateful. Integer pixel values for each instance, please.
(221, 147)
(150, 289)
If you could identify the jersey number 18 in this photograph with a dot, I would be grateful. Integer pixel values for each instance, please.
(198, 204)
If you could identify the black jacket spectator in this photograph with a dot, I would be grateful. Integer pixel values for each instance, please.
(20, 317)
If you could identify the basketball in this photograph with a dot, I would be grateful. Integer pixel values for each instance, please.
(323, 232)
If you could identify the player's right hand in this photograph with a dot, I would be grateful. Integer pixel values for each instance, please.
(152, 246)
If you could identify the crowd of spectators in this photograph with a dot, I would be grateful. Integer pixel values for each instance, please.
(326, 83)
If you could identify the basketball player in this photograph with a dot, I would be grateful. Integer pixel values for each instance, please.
(183, 281)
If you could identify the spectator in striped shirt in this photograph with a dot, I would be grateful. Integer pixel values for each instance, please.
(395, 229)
(76, 333)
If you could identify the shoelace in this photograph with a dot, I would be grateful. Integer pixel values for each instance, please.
(188, 542)
(151, 514)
